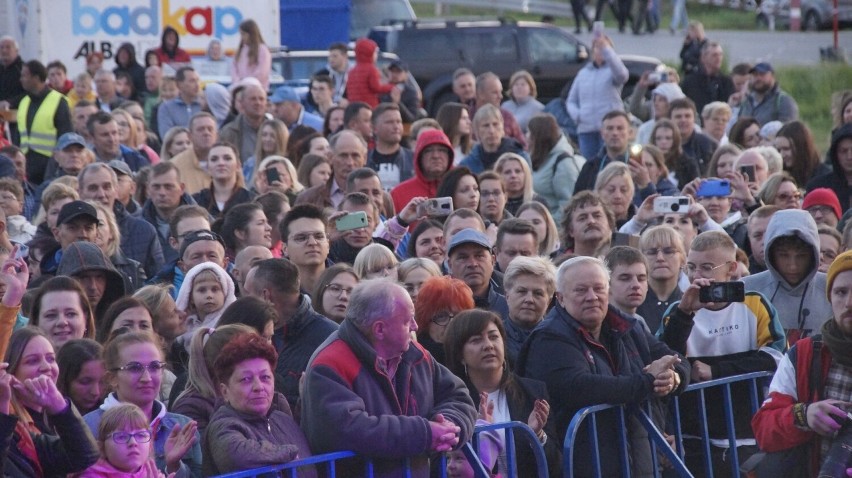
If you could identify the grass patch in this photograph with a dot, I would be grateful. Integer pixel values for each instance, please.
(812, 88)
(713, 17)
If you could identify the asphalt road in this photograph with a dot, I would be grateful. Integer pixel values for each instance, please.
(778, 48)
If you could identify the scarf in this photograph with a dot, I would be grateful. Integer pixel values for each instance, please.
(26, 446)
(838, 344)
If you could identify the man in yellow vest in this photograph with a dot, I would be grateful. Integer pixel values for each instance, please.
(43, 116)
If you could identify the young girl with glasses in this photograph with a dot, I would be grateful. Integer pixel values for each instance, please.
(124, 440)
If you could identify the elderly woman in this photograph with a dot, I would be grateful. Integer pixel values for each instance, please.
(715, 117)
(614, 185)
(476, 346)
(518, 180)
(439, 300)
(781, 190)
(522, 102)
(530, 283)
(255, 427)
(493, 142)
(586, 344)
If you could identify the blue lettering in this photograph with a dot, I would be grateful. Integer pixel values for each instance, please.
(223, 28)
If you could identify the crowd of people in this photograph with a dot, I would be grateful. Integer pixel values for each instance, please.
(198, 278)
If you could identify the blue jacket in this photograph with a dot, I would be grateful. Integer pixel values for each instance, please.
(139, 240)
(296, 341)
(580, 371)
(478, 160)
(134, 159)
(149, 213)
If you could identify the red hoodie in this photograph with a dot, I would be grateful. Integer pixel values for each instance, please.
(419, 185)
(364, 81)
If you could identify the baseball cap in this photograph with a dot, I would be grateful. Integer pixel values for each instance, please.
(469, 236)
(284, 93)
(120, 167)
(823, 197)
(75, 209)
(762, 67)
(202, 235)
(68, 139)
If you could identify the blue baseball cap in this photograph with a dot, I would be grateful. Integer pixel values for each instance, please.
(469, 236)
(762, 67)
(68, 139)
(284, 93)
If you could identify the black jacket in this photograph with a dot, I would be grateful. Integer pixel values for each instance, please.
(704, 89)
(836, 181)
(205, 199)
(73, 450)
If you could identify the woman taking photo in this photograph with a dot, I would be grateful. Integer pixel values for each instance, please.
(476, 351)
(272, 139)
(493, 142)
(228, 187)
(255, 427)
(555, 167)
(134, 365)
(682, 168)
(335, 284)
(652, 172)
(440, 299)
(314, 170)
(283, 178)
(245, 225)
(455, 122)
(81, 374)
(517, 178)
(252, 58)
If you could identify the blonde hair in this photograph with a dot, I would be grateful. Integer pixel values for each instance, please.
(203, 349)
(550, 242)
(371, 257)
(769, 191)
(409, 265)
(132, 141)
(662, 236)
(55, 192)
(169, 139)
(528, 183)
(112, 247)
(534, 266)
(296, 186)
(486, 112)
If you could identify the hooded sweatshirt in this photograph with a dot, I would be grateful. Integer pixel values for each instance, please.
(671, 91)
(178, 55)
(802, 308)
(364, 81)
(836, 180)
(419, 185)
(136, 71)
(193, 322)
(80, 257)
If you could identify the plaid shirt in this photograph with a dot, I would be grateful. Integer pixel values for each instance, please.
(838, 386)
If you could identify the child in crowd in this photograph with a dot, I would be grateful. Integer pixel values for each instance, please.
(12, 201)
(207, 290)
(364, 81)
(125, 441)
(82, 90)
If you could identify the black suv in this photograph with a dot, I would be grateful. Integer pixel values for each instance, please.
(433, 51)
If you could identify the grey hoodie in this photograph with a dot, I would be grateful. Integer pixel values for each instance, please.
(802, 309)
(81, 257)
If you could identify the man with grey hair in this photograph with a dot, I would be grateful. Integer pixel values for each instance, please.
(489, 91)
(348, 153)
(11, 65)
(105, 88)
(371, 389)
(586, 344)
(242, 131)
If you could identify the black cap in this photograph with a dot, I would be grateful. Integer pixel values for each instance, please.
(202, 235)
(75, 209)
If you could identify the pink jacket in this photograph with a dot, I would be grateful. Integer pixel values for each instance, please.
(240, 67)
(103, 469)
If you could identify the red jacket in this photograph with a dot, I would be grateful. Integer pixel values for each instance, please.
(773, 423)
(419, 185)
(364, 81)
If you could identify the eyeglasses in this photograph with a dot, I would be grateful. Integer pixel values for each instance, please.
(443, 318)
(704, 268)
(121, 438)
(824, 210)
(136, 368)
(787, 196)
(667, 251)
(338, 289)
(303, 238)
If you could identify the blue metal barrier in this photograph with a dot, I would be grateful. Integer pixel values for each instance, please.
(330, 460)
(657, 441)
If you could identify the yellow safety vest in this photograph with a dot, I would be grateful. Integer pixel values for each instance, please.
(42, 137)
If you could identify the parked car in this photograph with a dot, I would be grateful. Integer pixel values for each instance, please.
(816, 14)
(433, 50)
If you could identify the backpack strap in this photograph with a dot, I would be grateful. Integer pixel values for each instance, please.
(564, 155)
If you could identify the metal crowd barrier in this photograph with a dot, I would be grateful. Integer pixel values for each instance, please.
(329, 461)
(658, 442)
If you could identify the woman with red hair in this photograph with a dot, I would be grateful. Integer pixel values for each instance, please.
(440, 299)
